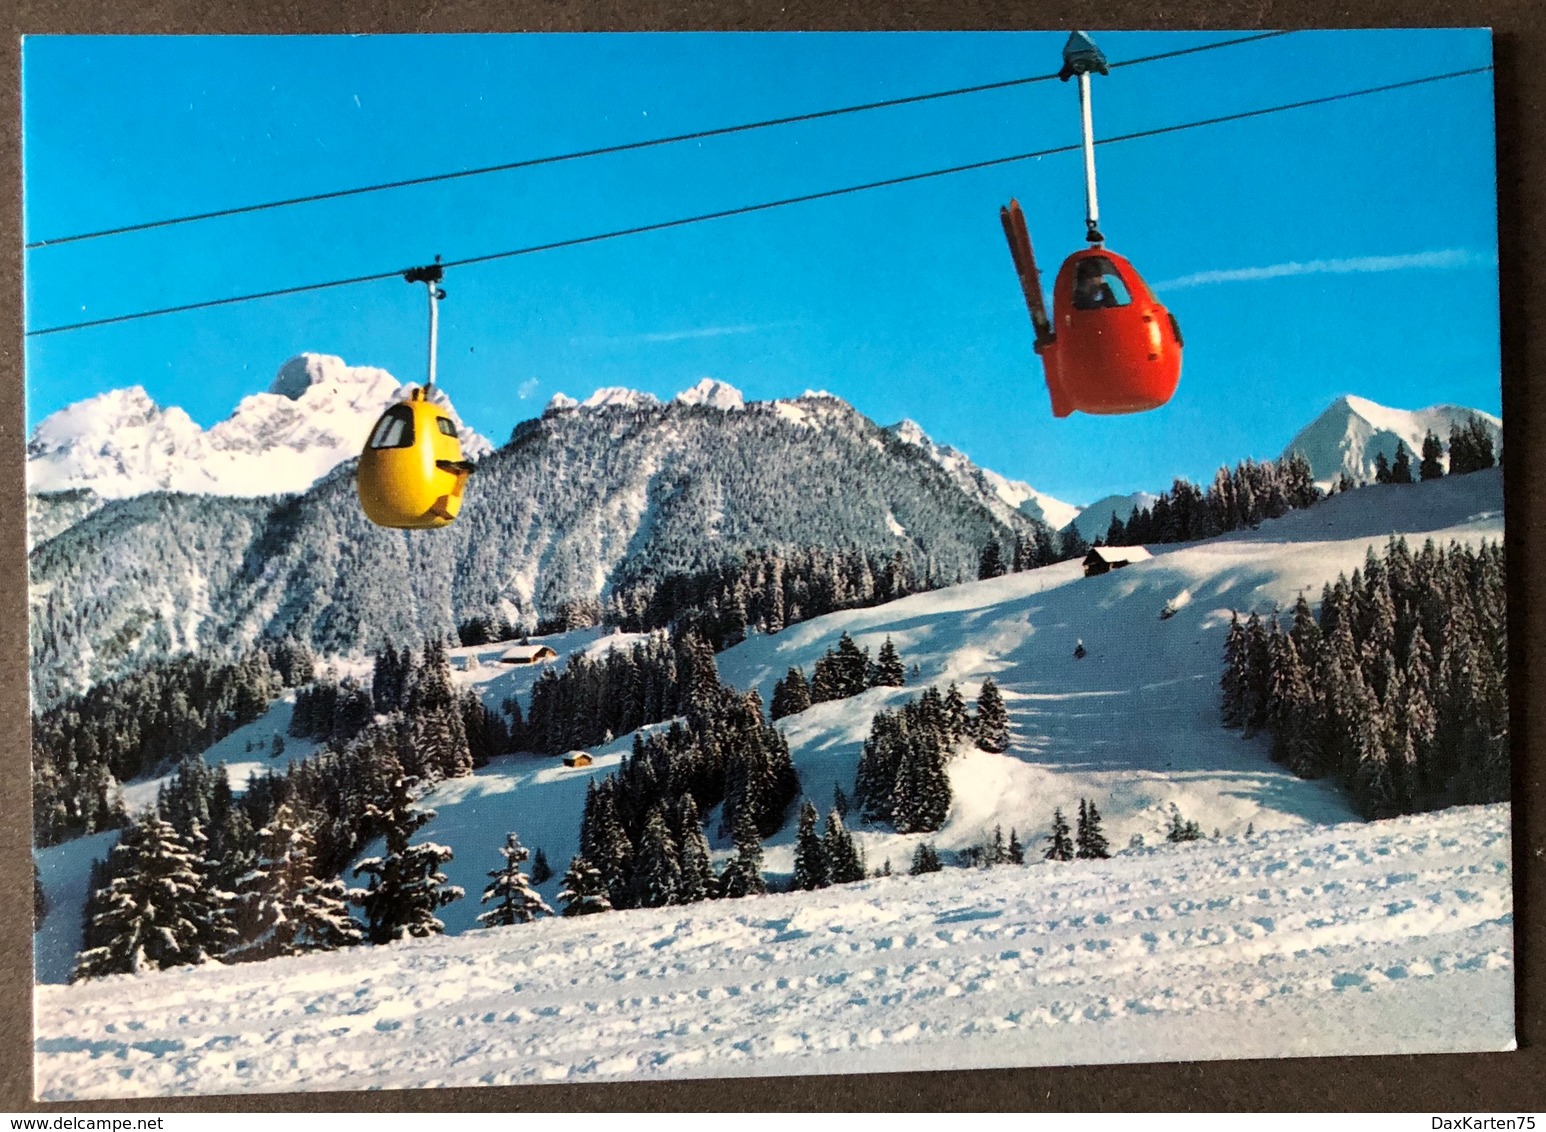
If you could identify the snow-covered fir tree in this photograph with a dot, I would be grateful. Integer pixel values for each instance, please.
(889, 672)
(1470, 448)
(658, 870)
(811, 868)
(697, 868)
(958, 721)
(742, 874)
(998, 852)
(406, 885)
(1401, 468)
(510, 890)
(147, 917)
(1180, 829)
(925, 860)
(1089, 840)
(583, 892)
(845, 862)
(1059, 845)
(791, 695)
(282, 906)
(992, 724)
(1432, 466)
(991, 564)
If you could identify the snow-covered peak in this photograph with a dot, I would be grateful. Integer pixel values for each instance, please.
(1094, 521)
(911, 432)
(713, 394)
(103, 416)
(306, 372)
(1021, 497)
(618, 397)
(117, 443)
(1354, 431)
(315, 415)
(560, 403)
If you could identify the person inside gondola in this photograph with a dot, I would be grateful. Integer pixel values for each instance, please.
(1093, 289)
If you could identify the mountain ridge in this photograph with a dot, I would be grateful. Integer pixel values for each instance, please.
(1351, 433)
(314, 416)
(577, 501)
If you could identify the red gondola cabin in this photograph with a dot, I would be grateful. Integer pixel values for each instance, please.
(1114, 348)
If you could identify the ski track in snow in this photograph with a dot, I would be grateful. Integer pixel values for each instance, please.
(1350, 939)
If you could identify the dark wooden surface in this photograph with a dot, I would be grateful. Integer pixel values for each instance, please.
(1472, 1083)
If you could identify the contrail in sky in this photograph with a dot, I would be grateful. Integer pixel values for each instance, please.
(1449, 258)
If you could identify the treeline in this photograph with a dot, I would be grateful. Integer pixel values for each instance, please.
(901, 775)
(1238, 498)
(641, 827)
(196, 879)
(448, 733)
(599, 696)
(766, 590)
(260, 872)
(1399, 687)
(844, 670)
(1470, 450)
(1043, 549)
(131, 725)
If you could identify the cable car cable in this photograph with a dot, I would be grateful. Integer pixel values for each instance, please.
(623, 147)
(742, 210)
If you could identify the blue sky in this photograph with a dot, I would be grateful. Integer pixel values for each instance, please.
(1348, 248)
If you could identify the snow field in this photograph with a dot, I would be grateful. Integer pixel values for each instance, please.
(1133, 726)
(1393, 936)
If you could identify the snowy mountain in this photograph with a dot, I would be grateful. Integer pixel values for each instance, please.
(1390, 937)
(1353, 431)
(993, 488)
(713, 394)
(581, 498)
(314, 417)
(1093, 521)
(620, 398)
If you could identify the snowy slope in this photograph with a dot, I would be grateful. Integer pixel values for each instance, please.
(989, 485)
(1134, 725)
(314, 416)
(1388, 937)
(1353, 431)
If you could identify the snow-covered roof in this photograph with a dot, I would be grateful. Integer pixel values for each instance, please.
(1114, 554)
(526, 652)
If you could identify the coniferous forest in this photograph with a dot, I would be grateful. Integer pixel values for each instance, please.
(642, 829)
(1398, 686)
(122, 728)
(1238, 498)
(767, 591)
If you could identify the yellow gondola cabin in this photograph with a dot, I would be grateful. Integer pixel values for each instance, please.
(412, 472)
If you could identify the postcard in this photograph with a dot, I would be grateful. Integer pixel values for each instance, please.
(565, 558)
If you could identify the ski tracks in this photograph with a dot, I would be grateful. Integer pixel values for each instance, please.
(956, 968)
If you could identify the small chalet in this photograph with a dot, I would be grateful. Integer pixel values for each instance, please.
(527, 654)
(1104, 559)
(577, 758)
